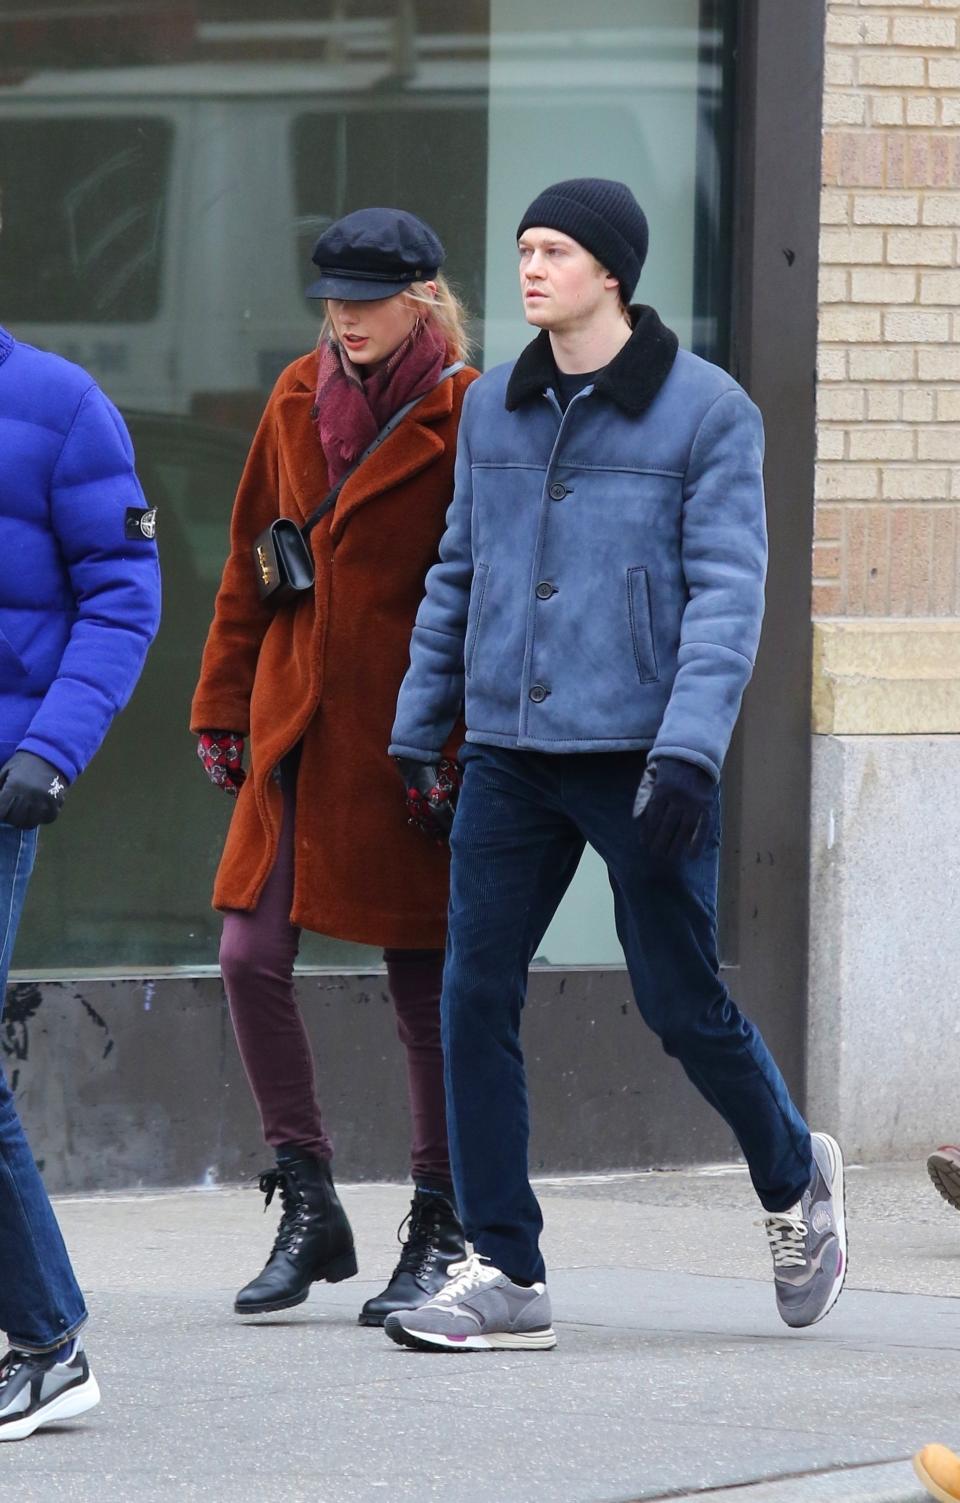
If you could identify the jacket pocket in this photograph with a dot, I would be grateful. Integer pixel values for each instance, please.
(641, 624)
(480, 590)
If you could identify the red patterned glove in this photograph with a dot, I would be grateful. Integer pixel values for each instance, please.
(221, 753)
(432, 791)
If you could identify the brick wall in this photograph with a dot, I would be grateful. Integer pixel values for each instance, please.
(888, 408)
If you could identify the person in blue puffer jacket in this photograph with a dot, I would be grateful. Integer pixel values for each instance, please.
(79, 607)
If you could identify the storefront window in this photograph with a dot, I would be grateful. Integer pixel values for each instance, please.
(86, 235)
(164, 177)
(634, 92)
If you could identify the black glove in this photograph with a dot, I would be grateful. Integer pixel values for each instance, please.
(673, 807)
(31, 791)
(432, 789)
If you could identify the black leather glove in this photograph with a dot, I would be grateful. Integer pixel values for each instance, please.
(31, 791)
(673, 807)
(432, 789)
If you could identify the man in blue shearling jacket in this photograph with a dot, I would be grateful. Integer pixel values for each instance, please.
(79, 606)
(597, 606)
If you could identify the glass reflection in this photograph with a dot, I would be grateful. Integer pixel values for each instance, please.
(166, 166)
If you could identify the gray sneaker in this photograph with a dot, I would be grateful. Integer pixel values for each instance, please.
(809, 1242)
(478, 1310)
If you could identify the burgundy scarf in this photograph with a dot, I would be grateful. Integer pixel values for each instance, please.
(350, 411)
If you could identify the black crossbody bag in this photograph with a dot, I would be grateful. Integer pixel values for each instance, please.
(281, 554)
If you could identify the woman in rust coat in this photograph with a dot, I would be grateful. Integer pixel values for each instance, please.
(319, 837)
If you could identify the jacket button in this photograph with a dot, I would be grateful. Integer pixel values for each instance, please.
(557, 491)
(538, 694)
(545, 589)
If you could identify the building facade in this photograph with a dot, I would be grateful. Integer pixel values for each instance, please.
(165, 169)
(884, 1026)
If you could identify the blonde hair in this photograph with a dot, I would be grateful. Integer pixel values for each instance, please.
(445, 309)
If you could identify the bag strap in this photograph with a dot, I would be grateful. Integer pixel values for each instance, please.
(330, 500)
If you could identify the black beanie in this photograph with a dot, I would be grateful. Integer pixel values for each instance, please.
(601, 215)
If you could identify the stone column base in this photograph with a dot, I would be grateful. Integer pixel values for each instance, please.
(884, 996)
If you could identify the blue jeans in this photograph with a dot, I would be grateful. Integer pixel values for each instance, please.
(522, 822)
(40, 1303)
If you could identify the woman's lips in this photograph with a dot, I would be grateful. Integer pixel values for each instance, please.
(355, 339)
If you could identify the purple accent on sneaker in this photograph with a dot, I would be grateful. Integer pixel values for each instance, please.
(455, 1338)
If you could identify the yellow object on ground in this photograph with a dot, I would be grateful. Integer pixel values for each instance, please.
(939, 1471)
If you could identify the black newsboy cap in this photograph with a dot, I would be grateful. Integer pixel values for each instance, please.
(375, 253)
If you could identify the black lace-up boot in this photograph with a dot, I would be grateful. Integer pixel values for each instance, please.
(314, 1240)
(434, 1240)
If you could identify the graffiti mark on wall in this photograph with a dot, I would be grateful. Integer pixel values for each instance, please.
(21, 1007)
(20, 1011)
(98, 1022)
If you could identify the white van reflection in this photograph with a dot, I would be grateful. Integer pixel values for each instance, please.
(158, 220)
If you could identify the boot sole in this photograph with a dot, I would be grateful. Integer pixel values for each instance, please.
(944, 1171)
(267, 1306)
(344, 1267)
(933, 1488)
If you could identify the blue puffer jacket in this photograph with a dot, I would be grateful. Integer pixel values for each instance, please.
(600, 584)
(79, 581)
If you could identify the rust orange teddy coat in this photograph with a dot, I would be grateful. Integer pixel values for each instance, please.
(327, 670)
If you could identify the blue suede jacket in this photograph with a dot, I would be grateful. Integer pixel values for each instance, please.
(79, 578)
(600, 583)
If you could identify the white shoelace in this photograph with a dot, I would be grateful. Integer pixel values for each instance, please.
(787, 1235)
(465, 1277)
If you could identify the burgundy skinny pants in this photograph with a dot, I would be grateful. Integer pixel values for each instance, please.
(257, 954)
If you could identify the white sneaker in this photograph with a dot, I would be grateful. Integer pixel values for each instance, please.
(38, 1390)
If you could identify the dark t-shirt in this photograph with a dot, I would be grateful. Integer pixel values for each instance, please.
(567, 386)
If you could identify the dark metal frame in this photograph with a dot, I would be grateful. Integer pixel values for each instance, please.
(716, 134)
(776, 240)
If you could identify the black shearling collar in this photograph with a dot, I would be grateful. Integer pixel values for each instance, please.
(632, 379)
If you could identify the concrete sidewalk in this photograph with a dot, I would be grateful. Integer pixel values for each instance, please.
(673, 1377)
